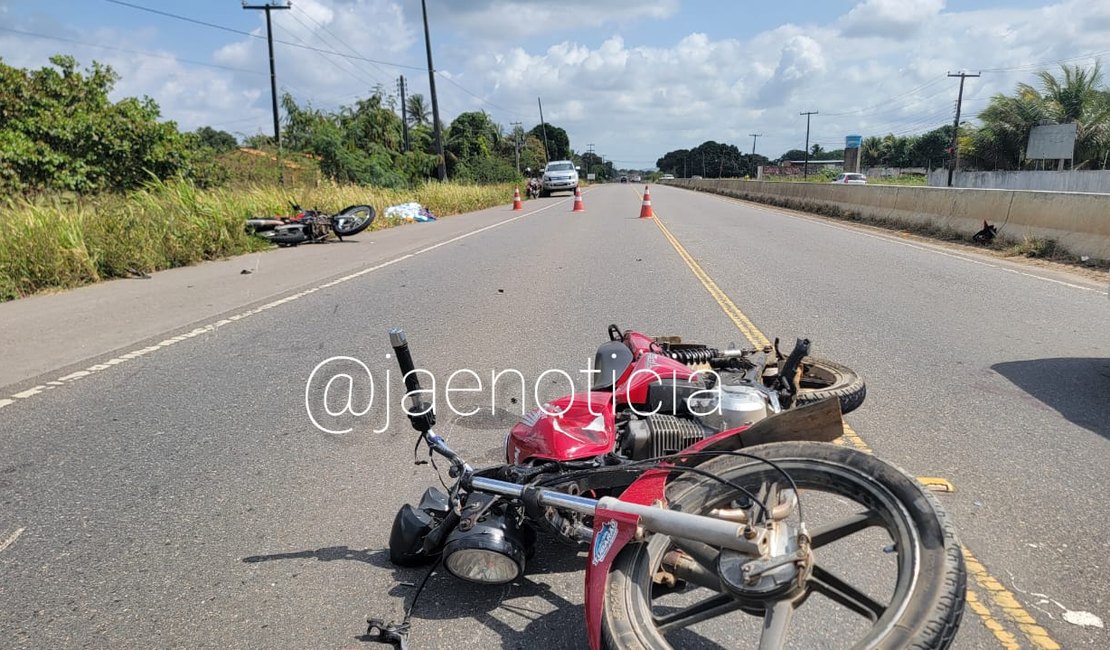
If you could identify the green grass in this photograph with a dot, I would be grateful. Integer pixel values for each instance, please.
(61, 242)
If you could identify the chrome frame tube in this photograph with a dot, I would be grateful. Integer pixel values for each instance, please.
(709, 530)
(714, 532)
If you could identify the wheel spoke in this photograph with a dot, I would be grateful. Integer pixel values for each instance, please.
(832, 587)
(700, 611)
(837, 530)
(775, 623)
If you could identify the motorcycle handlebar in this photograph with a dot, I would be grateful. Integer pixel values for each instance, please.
(404, 358)
(422, 417)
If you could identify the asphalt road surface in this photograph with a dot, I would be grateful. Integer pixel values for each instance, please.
(162, 485)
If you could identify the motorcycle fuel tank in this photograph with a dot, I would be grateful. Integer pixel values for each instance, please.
(573, 427)
(651, 368)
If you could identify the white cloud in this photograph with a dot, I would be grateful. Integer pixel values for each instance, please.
(506, 20)
(890, 18)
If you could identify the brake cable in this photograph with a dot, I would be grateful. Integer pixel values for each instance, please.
(397, 634)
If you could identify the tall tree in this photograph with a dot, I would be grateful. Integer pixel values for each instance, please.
(419, 114)
(59, 130)
(558, 142)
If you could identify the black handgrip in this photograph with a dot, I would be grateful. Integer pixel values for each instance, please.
(404, 358)
(421, 415)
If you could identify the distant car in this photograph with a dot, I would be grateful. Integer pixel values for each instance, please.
(667, 177)
(635, 179)
(851, 179)
(624, 179)
(695, 178)
(559, 175)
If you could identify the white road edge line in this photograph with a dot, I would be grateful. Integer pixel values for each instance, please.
(895, 240)
(134, 354)
(11, 539)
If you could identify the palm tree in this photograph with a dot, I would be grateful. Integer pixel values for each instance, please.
(871, 150)
(1071, 98)
(418, 112)
(1075, 97)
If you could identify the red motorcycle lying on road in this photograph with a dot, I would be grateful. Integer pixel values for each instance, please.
(312, 225)
(688, 487)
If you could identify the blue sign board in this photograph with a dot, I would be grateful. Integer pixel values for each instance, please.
(853, 142)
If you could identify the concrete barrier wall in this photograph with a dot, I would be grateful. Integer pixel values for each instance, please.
(1096, 181)
(1079, 222)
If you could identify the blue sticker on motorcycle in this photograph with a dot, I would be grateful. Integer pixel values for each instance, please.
(603, 542)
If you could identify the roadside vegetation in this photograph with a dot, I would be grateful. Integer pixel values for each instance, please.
(92, 189)
(57, 242)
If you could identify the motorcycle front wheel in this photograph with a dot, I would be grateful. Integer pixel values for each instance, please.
(352, 220)
(888, 571)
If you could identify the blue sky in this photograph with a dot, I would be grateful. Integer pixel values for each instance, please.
(636, 78)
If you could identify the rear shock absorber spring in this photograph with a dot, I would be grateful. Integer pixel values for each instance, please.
(693, 355)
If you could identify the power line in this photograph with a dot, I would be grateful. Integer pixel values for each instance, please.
(337, 39)
(476, 96)
(154, 55)
(1034, 66)
(250, 35)
(886, 102)
(302, 46)
(351, 71)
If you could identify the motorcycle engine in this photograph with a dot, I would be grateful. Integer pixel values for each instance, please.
(661, 435)
(687, 417)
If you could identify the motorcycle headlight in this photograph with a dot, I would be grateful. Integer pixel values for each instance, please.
(492, 552)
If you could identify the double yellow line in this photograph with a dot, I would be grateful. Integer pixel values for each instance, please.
(997, 593)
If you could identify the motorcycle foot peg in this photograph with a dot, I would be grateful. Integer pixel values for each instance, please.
(378, 631)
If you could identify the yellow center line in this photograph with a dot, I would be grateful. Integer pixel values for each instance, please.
(1009, 605)
(998, 594)
(742, 322)
(1005, 638)
(746, 327)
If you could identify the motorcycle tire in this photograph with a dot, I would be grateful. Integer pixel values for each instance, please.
(352, 220)
(822, 379)
(926, 605)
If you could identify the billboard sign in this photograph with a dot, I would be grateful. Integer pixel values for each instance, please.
(1051, 142)
(853, 142)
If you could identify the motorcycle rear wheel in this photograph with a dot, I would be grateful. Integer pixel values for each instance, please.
(926, 604)
(822, 379)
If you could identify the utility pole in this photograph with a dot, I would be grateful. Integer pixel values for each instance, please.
(273, 80)
(543, 126)
(805, 165)
(516, 143)
(955, 158)
(404, 114)
(442, 169)
(754, 168)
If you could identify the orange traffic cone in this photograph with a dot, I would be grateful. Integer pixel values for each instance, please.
(517, 205)
(645, 208)
(578, 206)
